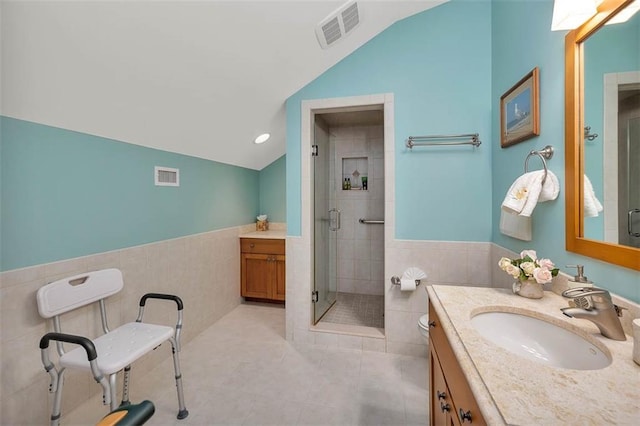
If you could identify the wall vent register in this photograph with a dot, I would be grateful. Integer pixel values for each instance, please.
(166, 176)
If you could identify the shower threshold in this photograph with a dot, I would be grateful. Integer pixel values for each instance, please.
(348, 329)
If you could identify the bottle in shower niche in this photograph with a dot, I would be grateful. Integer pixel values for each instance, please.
(344, 184)
(364, 183)
(348, 183)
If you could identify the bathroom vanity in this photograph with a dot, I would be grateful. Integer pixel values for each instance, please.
(451, 400)
(262, 265)
(473, 378)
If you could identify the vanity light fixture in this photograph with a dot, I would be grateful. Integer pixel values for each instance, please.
(570, 14)
(262, 138)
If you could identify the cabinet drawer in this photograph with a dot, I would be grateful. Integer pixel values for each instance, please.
(461, 394)
(261, 246)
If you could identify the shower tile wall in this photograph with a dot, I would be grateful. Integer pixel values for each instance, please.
(360, 247)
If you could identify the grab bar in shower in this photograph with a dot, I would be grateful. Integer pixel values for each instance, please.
(371, 221)
(338, 214)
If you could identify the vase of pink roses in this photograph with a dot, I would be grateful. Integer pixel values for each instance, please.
(530, 272)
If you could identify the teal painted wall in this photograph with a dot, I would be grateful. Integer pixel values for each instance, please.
(438, 66)
(522, 40)
(272, 190)
(67, 194)
(615, 48)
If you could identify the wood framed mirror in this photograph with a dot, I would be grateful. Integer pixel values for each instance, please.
(608, 249)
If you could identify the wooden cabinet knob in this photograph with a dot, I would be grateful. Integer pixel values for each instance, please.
(252, 245)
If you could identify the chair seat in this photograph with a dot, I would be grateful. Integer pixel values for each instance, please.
(120, 347)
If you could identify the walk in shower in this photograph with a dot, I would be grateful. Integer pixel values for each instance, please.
(348, 230)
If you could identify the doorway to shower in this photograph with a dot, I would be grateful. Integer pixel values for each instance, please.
(348, 217)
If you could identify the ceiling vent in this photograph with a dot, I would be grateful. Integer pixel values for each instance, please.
(338, 24)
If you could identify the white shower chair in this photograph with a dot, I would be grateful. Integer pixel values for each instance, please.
(115, 350)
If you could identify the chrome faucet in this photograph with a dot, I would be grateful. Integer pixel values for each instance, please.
(595, 305)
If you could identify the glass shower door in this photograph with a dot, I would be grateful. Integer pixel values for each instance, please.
(326, 222)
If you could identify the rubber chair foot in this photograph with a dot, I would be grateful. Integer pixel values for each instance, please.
(182, 414)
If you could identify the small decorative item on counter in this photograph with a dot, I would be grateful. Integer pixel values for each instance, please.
(262, 224)
(531, 273)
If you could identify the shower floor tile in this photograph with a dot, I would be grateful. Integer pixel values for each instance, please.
(357, 309)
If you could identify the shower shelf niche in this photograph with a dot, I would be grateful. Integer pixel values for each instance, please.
(355, 169)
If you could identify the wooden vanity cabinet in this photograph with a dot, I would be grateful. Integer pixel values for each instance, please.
(262, 269)
(451, 401)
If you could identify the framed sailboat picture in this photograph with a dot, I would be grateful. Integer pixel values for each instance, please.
(519, 111)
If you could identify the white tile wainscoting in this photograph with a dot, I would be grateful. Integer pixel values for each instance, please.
(203, 269)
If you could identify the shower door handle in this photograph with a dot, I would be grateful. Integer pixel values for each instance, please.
(337, 222)
(630, 222)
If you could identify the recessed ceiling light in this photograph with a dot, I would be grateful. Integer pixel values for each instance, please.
(262, 138)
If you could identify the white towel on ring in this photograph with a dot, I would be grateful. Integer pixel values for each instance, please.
(592, 205)
(528, 190)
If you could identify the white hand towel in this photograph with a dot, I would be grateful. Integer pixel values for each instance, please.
(524, 189)
(515, 226)
(592, 205)
(549, 191)
(550, 188)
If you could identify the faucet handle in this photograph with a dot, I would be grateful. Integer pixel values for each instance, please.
(574, 292)
(589, 297)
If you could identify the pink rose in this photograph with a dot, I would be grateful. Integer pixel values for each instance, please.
(530, 253)
(546, 264)
(542, 275)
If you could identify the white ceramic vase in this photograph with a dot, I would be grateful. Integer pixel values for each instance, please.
(528, 288)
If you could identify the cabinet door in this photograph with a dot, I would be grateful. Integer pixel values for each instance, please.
(279, 284)
(257, 270)
(440, 405)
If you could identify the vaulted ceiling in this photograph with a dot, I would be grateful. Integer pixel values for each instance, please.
(201, 78)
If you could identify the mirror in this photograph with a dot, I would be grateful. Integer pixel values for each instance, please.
(602, 91)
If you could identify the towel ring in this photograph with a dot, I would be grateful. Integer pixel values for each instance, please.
(544, 153)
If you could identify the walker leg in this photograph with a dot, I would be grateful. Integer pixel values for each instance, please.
(57, 400)
(112, 390)
(182, 410)
(125, 386)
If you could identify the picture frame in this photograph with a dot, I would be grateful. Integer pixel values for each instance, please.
(520, 111)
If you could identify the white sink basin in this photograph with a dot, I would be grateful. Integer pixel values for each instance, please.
(540, 341)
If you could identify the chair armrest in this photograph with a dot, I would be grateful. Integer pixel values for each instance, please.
(143, 301)
(176, 299)
(92, 355)
(70, 338)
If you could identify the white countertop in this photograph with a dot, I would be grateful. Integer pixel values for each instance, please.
(513, 390)
(276, 234)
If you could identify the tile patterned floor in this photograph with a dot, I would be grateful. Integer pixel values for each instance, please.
(357, 309)
(241, 371)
